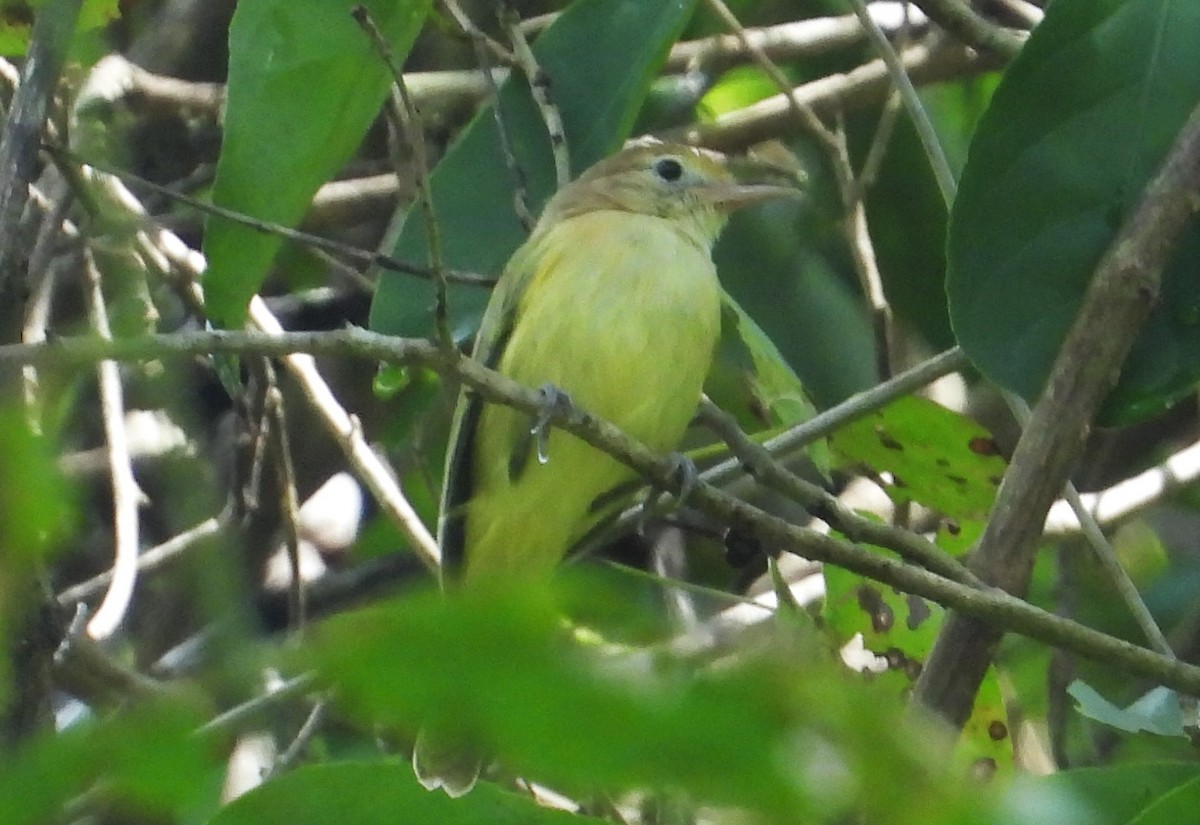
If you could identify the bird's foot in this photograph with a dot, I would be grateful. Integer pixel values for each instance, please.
(688, 476)
(552, 401)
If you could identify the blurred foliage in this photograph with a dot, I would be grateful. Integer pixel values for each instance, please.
(785, 733)
(638, 710)
(16, 20)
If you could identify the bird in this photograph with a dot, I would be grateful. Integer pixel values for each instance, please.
(613, 301)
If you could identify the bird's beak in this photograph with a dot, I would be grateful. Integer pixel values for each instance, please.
(733, 196)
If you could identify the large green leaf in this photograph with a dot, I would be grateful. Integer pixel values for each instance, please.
(304, 85)
(935, 456)
(1122, 794)
(601, 56)
(1078, 125)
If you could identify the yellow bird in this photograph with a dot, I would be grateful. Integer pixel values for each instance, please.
(613, 300)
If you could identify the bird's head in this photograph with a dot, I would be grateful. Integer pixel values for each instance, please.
(670, 181)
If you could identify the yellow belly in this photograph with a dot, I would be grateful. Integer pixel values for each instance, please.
(623, 314)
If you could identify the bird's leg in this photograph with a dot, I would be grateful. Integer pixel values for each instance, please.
(685, 471)
(552, 401)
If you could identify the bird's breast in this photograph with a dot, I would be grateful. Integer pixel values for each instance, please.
(622, 310)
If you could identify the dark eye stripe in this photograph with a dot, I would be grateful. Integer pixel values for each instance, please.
(668, 169)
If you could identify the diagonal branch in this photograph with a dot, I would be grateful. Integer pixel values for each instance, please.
(989, 606)
(1122, 293)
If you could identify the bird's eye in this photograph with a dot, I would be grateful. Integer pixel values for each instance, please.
(668, 169)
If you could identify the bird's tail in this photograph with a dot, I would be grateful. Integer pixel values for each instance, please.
(442, 760)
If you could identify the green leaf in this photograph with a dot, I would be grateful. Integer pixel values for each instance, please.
(750, 379)
(624, 43)
(1079, 124)
(937, 457)
(503, 669)
(304, 84)
(381, 793)
(1176, 805)
(37, 503)
(802, 303)
(147, 758)
(1120, 794)
(899, 629)
(16, 21)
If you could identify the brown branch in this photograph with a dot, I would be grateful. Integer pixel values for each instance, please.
(956, 17)
(990, 606)
(1122, 293)
(21, 137)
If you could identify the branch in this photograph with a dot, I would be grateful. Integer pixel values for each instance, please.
(990, 606)
(1121, 295)
(788, 42)
(957, 18)
(1129, 496)
(20, 139)
(866, 85)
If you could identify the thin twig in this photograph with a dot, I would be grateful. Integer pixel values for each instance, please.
(345, 428)
(942, 172)
(234, 719)
(84, 669)
(354, 253)
(482, 48)
(788, 42)
(1126, 498)
(476, 34)
(866, 85)
(762, 466)
(43, 278)
(285, 473)
(540, 88)
(126, 495)
(304, 736)
(853, 408)
(805, 115)
(169, 551)
(1104, 552)
(409, 121)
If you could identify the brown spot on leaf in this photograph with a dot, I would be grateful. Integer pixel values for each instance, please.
(983, 445)
(886, 440)
(918, 611)
(958, 480)
(912, 669)
(872, 603)
(951, 526)
(997, 730)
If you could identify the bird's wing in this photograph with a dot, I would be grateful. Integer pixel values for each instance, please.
(494, 331)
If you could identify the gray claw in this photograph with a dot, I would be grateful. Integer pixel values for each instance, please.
(552, 400)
